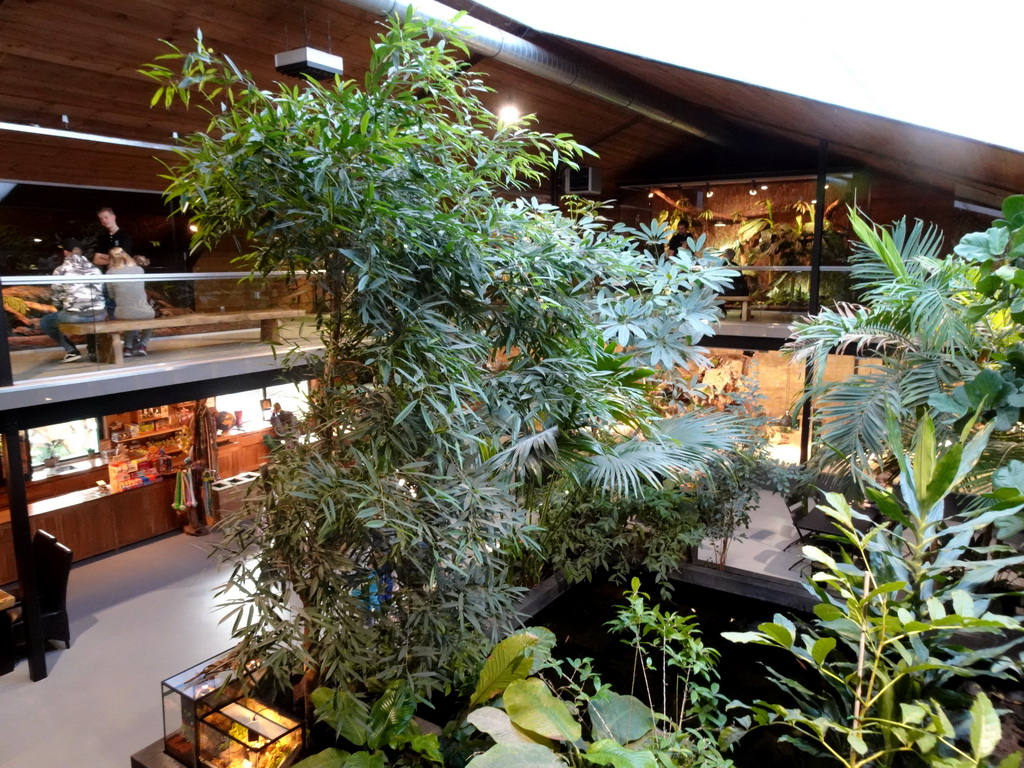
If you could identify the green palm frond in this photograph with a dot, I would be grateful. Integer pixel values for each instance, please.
(550, 449)
(940, 321)
(874, 276)
(926, 375)
(852, 413)
(625, 468)
(696, 433)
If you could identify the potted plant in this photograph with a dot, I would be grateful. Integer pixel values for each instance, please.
(53, 450)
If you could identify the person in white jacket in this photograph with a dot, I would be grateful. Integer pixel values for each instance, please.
(78, 302)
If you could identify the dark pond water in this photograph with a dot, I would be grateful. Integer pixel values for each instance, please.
(578, 618)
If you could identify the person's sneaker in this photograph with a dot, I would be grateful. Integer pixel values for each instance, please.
(93, 358)
(72, 357)
(140, 352)
(128, 352)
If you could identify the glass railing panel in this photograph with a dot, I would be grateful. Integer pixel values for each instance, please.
(74, 325)
(778, 294)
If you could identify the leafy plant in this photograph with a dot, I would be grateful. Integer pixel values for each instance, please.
(552, 711)
(919, 327)
(902, 613)
(383, 729)
(461, 331)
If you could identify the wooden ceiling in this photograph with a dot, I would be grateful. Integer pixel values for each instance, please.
(79, 58)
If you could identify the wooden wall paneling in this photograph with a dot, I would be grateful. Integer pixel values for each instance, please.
(143, 513)
(229, 459)
(88, 529)
(8, 568)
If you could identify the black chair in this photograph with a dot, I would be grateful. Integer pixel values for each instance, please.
(53, 566)
(798, 507)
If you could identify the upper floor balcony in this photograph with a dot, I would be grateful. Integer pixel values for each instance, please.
(133, 332)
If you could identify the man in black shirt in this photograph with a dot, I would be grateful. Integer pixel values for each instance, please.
(114, 236)
(678, 240)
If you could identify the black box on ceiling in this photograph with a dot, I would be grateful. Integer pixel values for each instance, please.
(319, 65)
(584, 181)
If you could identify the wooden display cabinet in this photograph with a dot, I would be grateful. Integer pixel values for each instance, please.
(138, 428)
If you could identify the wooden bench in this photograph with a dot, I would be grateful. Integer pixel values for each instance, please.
(108, 332)
(743, 301)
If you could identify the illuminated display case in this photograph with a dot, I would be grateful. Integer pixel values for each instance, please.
(187, 697)
(248, 734)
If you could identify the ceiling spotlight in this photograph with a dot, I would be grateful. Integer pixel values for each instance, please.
(708, 191)
(193, 227)
(753, 188)
(37, 239)
(814, 202)
(826, 186)
(764, 186)
(650, 194)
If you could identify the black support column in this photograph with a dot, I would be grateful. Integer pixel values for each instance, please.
(21, 534)
(814, 298)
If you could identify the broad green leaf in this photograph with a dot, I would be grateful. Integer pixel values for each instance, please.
(827, 612)
(856, 743)
(1013, 206)
(985, 728)
(745, 637)
(497, 724)
(822, 647)
(1012, 760)
(366, 760)
(778, 633)
(912, 713)
(390, 715)
(426, 744)
(517, 756)
(532, 706)
(506, 663)
(329, 758)
(963, 603)
(622, 718)
(608, 752)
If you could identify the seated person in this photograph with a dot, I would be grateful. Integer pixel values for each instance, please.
(284, 424)
(130, 300)
(738, 285)
(76, 302)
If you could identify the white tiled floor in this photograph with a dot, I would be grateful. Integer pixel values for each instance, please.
(142, 615)
(137, 617)
(762, 547)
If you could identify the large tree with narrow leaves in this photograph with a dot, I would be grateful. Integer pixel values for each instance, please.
(455, 322)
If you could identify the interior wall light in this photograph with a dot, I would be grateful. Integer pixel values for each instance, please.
(708, 191)
(719, 223)
(509, 112)
(753, 188)
(193, 227)
(764, 186)
(650, 194)
(37, 239)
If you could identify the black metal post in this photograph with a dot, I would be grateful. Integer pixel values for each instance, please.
(22, 536)
(6, 372)
(814, 303)
(814, 289)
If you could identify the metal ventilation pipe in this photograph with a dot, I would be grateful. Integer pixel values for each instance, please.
(491, 42)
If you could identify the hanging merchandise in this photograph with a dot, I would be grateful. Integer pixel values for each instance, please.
(204, 437)
(208, 512)
(186, 501)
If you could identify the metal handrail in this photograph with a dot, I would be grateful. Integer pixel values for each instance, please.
(13, 280)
